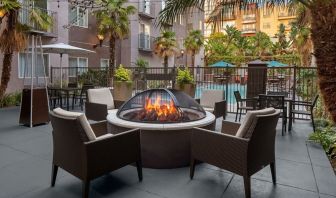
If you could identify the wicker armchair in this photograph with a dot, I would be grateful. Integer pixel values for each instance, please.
(241, 155)
(99, 101)
(242, 104)
(214, 102)
(88, 159)
(308, 108)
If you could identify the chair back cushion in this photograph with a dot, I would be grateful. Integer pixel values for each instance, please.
(210, 97)
(101, 96)
(82, 120)
(245, 127)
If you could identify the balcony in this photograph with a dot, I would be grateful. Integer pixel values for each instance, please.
(146, 10)
(24, 18)
(249, 30)
(286, 15)
(249, 19)
(146, 42)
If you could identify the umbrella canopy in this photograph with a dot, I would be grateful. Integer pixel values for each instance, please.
(61, 48)
(222, 64)
(276, 64)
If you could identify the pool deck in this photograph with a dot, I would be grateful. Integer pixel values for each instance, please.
(303, 170)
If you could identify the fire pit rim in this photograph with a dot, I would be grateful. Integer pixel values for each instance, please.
(112, 118)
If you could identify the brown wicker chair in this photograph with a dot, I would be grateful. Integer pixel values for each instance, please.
(214, 102)
(99, 101)
(88, 160)
(242, 156)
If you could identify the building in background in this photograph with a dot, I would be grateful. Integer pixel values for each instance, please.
(253, 20)
(75, 27)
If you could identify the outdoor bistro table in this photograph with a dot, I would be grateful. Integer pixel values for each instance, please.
(289, 102)
(67, 91)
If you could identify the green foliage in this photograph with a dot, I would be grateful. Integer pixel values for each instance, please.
(166, 44)
(194, 41)
(95, 77)
(184, 77)
(10, 100)
(123, 74)
(141, 63)
(324, 136)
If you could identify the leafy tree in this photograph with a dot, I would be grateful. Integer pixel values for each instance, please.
(13, 37)
(165, 47)
(323, 36)
(113, 21)
(193, 43)
(261, 44)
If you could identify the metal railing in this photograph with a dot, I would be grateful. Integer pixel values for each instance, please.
(299, 83)
(25, 18)
(146, 8)
(146, 42)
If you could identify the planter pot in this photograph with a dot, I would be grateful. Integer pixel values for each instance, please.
(187, 88)
(122, 91)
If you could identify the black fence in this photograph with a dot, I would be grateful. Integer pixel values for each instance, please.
(299, 83)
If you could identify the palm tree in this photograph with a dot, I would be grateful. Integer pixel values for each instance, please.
(193, 43)
(322, 27)
(166, 46)
(13, 37)
(112, 20)
(262, 43)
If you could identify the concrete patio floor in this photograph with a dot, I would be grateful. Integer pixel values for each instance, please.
(303, 170)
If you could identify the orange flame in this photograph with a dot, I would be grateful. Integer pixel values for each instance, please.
(163, 109)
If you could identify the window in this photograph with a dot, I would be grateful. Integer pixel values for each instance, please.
(181, 19)
(78, 17)
(266, 25)
(77, 66)
(163, 4)
(145, 6)
(25, 61)
(104, 63)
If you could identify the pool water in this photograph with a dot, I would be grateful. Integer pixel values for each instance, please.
(229, 89)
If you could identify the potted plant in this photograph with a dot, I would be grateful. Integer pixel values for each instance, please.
(122, 85)
(185, 82)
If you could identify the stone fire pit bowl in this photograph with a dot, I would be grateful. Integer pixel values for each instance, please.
(164, 145)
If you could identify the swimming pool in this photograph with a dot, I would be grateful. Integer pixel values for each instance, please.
(230, 89)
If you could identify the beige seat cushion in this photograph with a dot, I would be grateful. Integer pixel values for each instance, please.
(210, 97)
(209, 109)
(101, 96)
(249, 119)
(82, 120)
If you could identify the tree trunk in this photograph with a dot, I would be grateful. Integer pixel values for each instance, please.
(193, 59)
(112, 56)
(6, 73)
(165, 69)
(324, 39)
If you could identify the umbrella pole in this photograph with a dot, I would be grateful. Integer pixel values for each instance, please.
(61, 56)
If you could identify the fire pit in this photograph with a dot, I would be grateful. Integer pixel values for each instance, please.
(165, 117)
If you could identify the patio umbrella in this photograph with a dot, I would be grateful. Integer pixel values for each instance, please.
(222, 64)
(61, 48)
(276, 64)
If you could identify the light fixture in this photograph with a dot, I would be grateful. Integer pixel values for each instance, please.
(2, 13)
(182, 52)
(101, 38)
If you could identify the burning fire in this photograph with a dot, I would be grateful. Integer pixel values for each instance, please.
(160, 110)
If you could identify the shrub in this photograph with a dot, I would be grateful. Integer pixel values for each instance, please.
(141, 63)
(96, 77)
(184, 77)
(123, 74)
(11, 99)
(324, 136)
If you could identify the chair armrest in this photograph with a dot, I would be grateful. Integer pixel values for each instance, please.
(220, 109)
(198, 100)
(302, 103)
(113, 152)
(224, 151)
(99, 128)
(230, 128)
(95, 111)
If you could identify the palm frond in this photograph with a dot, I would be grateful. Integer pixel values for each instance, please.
(222, 9)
